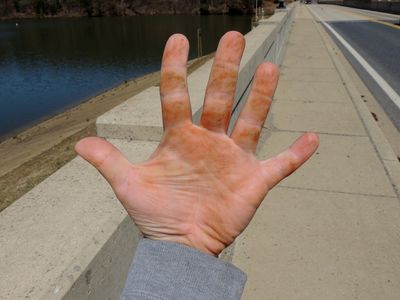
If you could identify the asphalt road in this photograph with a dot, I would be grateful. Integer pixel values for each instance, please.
(377, 40)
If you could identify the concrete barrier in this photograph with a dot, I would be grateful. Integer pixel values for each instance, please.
(69, 238)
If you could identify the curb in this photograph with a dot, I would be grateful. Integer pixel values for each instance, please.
(382, 147)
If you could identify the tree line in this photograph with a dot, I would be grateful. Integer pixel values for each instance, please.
(97, 8)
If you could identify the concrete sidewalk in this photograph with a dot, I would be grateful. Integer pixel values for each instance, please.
(332, 230)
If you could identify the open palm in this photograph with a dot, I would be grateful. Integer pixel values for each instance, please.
(201, 187)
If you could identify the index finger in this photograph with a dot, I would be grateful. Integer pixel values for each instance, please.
(173, 85)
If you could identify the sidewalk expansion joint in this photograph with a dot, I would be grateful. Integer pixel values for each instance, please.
(309, 68)
(392, 160)
(307, 81)
(314, 68)
(274, 129)
(307, 101)
(335, 191)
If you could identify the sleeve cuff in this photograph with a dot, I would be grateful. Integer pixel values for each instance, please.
(166, 270)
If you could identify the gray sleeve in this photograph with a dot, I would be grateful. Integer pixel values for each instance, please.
(166, 270)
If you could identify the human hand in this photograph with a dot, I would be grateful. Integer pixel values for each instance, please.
(201, 187)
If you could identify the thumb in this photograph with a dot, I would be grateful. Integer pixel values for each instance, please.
(107, 159)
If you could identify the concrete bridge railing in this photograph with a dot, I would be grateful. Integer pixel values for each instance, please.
(69, 238)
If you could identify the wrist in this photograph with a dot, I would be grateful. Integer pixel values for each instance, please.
(213, 248)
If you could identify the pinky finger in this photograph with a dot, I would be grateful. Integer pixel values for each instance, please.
(284, 164)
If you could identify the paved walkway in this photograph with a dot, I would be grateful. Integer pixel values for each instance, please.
(332, 230)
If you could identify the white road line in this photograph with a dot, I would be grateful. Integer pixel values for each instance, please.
(391, 93)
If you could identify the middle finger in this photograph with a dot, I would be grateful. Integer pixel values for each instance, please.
(222, 82)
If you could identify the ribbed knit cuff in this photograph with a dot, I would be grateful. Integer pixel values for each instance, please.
(166, 270)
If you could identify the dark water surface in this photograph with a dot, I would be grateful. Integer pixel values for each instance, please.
(49, 65)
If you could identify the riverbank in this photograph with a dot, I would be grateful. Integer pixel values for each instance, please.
(34, 154)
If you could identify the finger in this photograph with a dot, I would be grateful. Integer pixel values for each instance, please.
(281, 166)
(248, 127)
(222, 82)
(173, 86)
(106, 158)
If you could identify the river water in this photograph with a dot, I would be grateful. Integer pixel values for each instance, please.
(47, 66)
